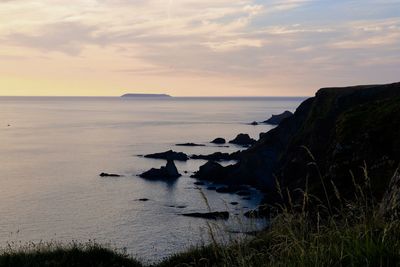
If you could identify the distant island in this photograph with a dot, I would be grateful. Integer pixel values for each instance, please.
(147, 95)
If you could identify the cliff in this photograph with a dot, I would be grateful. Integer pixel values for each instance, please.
(339, 131)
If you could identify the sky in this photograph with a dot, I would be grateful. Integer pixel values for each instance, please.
(196, 47)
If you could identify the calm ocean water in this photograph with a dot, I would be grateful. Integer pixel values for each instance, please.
(55, 147)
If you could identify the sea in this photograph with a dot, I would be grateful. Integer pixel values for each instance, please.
(52, 150)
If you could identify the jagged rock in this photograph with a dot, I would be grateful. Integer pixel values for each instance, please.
(224, 215)
(190, 144)
(104, 174)
(219, 141)
(171, 169)
(218, 156)
(277, 119)
(168, 172)
(243, 140)
(169, 155)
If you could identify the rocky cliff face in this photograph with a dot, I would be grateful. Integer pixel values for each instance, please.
(333, 135)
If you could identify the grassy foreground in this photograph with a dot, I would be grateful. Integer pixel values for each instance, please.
(358, 236)
(312, 233)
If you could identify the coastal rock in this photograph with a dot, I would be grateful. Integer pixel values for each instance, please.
(190, 144)
(254, 123)
(168, 172)
(169, 155)
(104, 174)
(143, 199)
(277, 119)
(219, 141)
(210, 171)
(338, 131)
(218, 156)
(243, 140)
(224, 215)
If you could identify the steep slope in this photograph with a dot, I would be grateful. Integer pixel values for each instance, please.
(341, 130)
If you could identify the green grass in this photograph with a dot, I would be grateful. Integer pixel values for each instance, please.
(52, 255)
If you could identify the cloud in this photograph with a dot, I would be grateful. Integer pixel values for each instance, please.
(67, 37)
(257, 41)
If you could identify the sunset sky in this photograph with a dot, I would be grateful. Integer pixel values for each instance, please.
(196, 47)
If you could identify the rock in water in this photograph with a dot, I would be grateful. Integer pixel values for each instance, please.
(104, 174)
(171, 169)
(218, 156)
(224, 215)
(190, 144)
(243, 140)
(209, 171)
(168, 172)
(219, 141)
(169, 155)
(276, 119)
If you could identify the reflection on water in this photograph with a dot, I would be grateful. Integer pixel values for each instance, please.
(55, 148)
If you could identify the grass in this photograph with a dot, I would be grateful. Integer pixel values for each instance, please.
(350, 233)
(73, 254)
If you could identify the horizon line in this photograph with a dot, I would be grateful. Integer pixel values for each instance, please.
(170, 96)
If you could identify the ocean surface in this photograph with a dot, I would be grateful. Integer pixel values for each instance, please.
(52, 150)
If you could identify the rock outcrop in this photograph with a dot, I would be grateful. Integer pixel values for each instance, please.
(169, 155)
(104, 174)
(210, 171)
(218, 215)
(219, 141)
(338, 131)
(168, 172)
(243, 140)
(218, 156)
(277, 119)
(190, 144)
